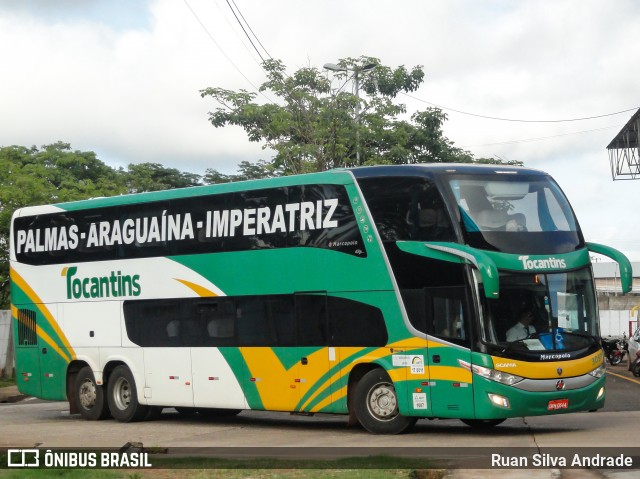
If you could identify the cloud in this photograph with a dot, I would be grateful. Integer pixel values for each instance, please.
(122, 78)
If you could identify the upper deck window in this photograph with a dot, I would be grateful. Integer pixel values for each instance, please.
(407, 208)
(515, 214)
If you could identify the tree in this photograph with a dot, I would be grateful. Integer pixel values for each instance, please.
(143, 177)
(313, 125)
(52, 174)
(56, 173)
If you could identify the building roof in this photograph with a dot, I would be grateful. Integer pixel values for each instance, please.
(609, 269)
(628, 136)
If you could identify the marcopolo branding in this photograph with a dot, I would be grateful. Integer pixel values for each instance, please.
(543, 263)
(554, 357)
(114, 285)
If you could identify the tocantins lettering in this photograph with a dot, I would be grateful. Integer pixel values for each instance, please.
(113, 285)
(545, 263)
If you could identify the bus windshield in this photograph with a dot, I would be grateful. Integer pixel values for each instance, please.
(515, 214)
(542, 312)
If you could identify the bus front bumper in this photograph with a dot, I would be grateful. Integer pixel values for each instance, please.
(494, 400)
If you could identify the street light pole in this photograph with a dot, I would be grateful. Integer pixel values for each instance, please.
(356, 79)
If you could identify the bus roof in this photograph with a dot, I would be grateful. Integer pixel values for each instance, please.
(441, 169)
(337, 176)
(329, 177)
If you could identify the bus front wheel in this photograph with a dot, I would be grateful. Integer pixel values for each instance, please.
(90, 398)
(122, 396)
(376, 405)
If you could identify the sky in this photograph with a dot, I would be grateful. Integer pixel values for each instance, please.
(122, 78)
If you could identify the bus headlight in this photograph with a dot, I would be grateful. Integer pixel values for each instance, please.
(499, 400)
(599, 371)
(492, 374)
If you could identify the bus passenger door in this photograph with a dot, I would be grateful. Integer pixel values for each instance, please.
(450, 384)
(267, 335)
(313, 384)
(218, 371)
(167, 368)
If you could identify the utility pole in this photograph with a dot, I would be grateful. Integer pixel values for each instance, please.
(356, 79)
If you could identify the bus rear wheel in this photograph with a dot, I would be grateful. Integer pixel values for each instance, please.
(376, 405)
(90, 398)
(122, 396)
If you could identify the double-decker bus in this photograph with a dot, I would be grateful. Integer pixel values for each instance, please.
(387, 293)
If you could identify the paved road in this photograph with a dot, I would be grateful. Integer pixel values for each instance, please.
(35, 423)
(49, 424)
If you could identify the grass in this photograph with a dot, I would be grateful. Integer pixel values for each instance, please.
(224, 474)
(4, 382)
(204, 468)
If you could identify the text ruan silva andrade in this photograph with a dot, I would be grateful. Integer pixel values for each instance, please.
(570, 460)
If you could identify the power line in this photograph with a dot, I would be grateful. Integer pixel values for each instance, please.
(245, 31)
(222, 51)
(487, 117)
(238, 36)
(525, 140)
(251, 29)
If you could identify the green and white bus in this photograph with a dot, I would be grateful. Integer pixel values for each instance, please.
(386, 293)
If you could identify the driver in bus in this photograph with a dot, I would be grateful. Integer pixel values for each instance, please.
(523, 328)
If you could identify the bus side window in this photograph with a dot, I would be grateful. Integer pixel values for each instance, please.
(448, 315)
(280, 309)
(218, 317)
(311, 319)
(352, 323)
(254, 328)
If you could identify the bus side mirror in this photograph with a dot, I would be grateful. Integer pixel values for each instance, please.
(459, 253)
(626, 273)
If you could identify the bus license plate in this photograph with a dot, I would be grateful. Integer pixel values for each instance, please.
(558, 404)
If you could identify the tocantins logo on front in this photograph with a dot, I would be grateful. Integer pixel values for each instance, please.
(114, 285)
(544, 263)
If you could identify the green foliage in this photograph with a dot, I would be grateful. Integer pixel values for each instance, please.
(315, 124)
(155, 177)
(56, 173)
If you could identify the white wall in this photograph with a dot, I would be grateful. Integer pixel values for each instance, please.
(5, 323)
(615, 322)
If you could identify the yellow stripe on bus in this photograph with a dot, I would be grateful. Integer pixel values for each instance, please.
(40, 332)
(198, 289)
(333, 397)
(35, 299)
(551, 369)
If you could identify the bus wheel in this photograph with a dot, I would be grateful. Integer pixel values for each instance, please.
(122, 396)
(482, 423)
(89, 396)
(376, 405)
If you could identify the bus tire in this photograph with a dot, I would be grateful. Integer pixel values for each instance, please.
(122, 396)
(376, 405)
(482, 423)
(89, 397)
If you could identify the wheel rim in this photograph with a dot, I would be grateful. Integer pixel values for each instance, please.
(382, 402)
(87, 394)
(122, 393)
